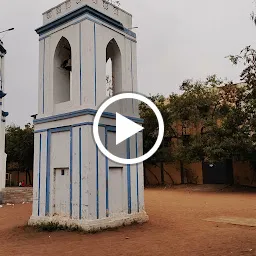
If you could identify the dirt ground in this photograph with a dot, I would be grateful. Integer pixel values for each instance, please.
(176, 227)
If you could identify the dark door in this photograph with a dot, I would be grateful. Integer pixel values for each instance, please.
(218, 173)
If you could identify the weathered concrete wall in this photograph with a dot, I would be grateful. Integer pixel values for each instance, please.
(243, 174)
(172, 174)
(194, 173)
(17, 195)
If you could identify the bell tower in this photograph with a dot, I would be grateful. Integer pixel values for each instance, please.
(74, 183)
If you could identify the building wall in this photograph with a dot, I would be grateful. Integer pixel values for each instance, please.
(194, 173)
(90, 196)
(17, 177)
(243, 174)
(172, 173)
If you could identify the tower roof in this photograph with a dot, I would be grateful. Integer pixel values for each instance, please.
(105, 7)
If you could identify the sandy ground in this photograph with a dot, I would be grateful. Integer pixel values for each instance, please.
(176, 227)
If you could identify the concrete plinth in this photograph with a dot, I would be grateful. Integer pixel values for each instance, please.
(92, 225)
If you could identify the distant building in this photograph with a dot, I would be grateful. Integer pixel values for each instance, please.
(3, 115)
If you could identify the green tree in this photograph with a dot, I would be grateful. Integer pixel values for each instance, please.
(205, 122)
(212, 109)
(247, 110)
(20, 148)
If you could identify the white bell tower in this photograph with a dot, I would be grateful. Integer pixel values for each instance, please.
(74, 183)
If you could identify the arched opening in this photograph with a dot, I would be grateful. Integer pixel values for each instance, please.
(113, 69)
(62, 72)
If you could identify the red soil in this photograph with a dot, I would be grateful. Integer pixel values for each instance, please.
(176, 227)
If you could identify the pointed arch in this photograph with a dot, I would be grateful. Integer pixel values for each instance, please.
(113, 68)
(62, 73)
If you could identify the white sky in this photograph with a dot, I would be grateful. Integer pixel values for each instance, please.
(177, 40)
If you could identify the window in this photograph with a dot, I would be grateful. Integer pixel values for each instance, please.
(113, 69)
(62, 74)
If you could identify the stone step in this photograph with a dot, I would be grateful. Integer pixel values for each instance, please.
(17, 195)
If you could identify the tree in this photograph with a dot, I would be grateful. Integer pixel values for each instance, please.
(212, 109)
(20, 148)
(151, 132)
(248, 107)
(205, 123)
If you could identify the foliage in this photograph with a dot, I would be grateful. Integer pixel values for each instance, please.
(151, 128)
(20, 147)
(247, 110)
(206, 122)
(211, 120)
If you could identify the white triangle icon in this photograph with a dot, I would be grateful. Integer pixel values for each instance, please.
(125, 128)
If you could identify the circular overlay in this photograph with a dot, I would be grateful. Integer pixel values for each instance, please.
(124, 160)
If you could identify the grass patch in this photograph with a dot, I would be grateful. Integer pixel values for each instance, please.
(53, 226)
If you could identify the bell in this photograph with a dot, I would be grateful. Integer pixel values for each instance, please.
(67, 65)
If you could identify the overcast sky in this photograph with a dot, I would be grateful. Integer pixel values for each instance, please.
(177, 40)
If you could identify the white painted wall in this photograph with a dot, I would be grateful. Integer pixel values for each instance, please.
(116, 191)
(88, 52)
(59, 186)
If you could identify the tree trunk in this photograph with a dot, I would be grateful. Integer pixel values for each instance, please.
(182, 172)
(18, 177)
(230, 171)
(29, 177)
(162, 173)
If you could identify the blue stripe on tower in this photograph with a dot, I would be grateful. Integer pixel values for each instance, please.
(43, 74)
(71, 172)
(39, 173)
(97, 182)
(132, 77)
(137, 175)
(129, 176)
(80, 49)
(107, 174)
(47, 203)
(80, 173)
(95, 67)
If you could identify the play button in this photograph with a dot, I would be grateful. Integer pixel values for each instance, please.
(118, 136)
(125, 128)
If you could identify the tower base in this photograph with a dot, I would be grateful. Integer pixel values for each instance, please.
(91, 225)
